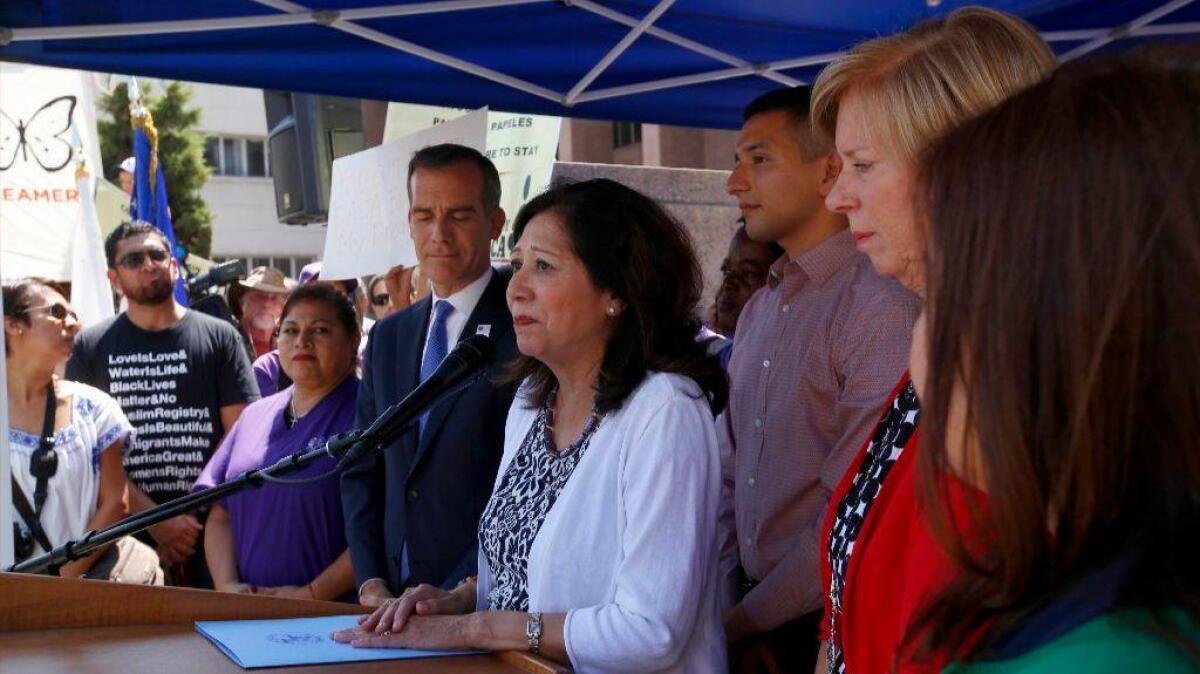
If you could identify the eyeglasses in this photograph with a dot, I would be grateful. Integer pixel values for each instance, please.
(58, 312)
(138, 258)
(381, 299)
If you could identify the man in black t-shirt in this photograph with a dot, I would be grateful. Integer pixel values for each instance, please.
(180, 376)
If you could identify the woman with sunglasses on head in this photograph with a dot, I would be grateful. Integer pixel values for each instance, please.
(66, 439)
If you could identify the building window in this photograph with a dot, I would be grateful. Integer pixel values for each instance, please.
(626, 133)
(237, 156)
(256, 158)
(290, 266)
(212, 152)
(299, 263)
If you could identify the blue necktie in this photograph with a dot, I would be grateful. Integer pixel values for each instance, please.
(436, 347)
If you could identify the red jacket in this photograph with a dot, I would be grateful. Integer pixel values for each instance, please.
(895, 567)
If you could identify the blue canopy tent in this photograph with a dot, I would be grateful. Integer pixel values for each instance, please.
(687, 62)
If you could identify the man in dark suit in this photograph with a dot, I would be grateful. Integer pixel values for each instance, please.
(412, 512)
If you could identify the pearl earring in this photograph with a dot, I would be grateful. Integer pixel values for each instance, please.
(612, 310)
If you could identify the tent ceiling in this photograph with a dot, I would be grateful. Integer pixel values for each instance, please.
(691, 62)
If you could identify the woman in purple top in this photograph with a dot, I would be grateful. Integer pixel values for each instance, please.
(289, 540)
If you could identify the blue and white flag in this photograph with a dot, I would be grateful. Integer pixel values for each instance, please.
(149, 199)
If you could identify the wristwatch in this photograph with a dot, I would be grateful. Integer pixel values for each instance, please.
(533, 632)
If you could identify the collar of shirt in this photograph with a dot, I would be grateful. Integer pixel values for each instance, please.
(464, 302)
(819, 263)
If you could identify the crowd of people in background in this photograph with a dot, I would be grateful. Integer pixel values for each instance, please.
(940, 416)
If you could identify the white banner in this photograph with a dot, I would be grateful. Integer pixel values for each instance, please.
(41, 112)
(522, 147)
(91, 294)
(368, 200)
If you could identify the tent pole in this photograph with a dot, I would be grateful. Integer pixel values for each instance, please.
(701, 78)
(426, 53)
(1125, 29)
(620, 48)
(680, 41)
(243, 22)
(436, 7)
(1189, 28)
(157, 27)
(668, 83)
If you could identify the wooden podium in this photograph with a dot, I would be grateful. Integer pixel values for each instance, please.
(85, 626)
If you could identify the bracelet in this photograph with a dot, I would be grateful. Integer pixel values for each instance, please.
(533, 632)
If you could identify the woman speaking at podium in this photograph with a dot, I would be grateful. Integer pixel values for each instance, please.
(289, 540)
(598, 547)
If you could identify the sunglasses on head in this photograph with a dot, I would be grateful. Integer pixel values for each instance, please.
(57, 311)
(138, 258)
(381, 299)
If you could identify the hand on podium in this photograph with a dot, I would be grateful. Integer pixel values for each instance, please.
(374, 592)
(288, 591)
(235, 588)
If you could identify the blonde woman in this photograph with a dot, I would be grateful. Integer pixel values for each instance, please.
(883, 103)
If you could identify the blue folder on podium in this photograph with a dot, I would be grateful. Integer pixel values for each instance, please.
(297, 641)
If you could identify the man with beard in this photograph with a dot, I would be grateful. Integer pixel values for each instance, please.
(181, 377)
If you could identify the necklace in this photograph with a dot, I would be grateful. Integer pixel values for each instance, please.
(589, 426)
(295, 416)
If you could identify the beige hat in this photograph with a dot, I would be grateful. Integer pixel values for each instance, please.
(263, 279)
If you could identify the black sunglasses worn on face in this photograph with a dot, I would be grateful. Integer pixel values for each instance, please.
(138, 258)
(56, 311)
(380, 299)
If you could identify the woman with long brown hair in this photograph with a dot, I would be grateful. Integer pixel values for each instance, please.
(1059, 373)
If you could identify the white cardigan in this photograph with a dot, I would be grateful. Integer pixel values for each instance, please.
(629, 550)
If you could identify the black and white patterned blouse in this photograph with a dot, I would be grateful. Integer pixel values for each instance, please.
(535, 477)
(887, 444)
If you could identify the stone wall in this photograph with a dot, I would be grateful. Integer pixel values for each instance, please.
(696, 197)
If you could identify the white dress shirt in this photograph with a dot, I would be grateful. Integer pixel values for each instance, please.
(629, 549)
(464, 302)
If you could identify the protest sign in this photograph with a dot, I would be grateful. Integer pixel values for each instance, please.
(368, 201)
(521, 146)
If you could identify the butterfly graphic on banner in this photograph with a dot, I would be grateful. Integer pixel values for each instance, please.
(40, 138)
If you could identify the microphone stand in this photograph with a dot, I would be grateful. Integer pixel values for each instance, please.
(348, 448)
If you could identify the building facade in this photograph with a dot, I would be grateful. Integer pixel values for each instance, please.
(240, 193)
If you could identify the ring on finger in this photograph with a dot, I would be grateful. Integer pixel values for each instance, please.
(387, 633)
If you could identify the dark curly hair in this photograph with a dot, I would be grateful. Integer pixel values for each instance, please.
(126, 230)
(326, 293)
(634, 249)
(19, 297)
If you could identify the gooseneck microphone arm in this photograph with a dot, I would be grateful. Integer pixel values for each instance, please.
(460, 369)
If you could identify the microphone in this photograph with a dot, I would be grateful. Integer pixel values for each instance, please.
(456, 371)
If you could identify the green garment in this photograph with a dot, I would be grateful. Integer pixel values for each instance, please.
(1114, 643)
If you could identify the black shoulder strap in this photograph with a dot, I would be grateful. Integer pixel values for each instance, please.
(27, 514)
(40, 489)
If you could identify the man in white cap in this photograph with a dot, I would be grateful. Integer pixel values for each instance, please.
(125, 172)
